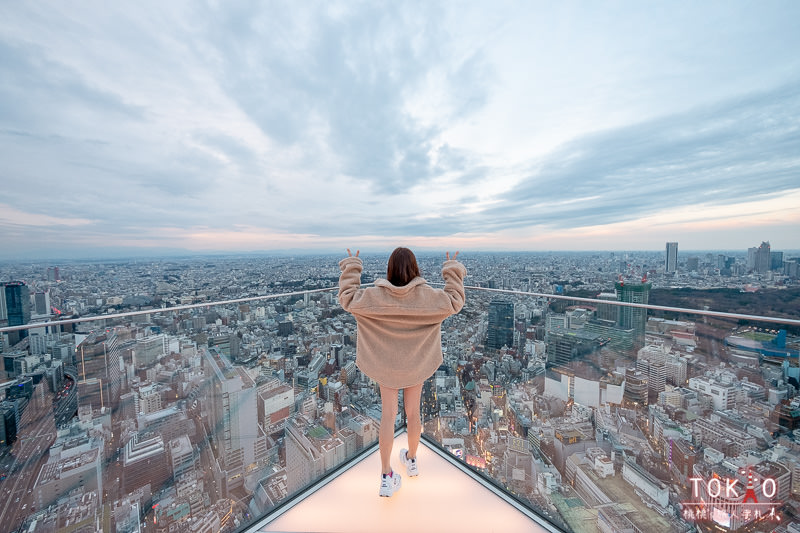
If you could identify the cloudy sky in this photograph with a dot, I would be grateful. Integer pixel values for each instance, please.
(243, 126)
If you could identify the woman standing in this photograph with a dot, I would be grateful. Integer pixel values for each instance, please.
(399, 341)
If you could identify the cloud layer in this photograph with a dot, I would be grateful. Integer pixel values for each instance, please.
(277, 125)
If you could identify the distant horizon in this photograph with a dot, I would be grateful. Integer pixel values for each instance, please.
(421, 251)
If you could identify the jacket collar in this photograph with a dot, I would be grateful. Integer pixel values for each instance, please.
(384, 283)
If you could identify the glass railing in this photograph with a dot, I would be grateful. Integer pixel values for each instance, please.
(623, 409)
(209, 414)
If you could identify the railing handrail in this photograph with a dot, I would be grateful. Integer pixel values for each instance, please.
(701, 312)
(160, 310)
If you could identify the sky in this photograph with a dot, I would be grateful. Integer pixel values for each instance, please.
(163, 127)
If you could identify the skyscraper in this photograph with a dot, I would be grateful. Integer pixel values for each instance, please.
(671, 263)
(233, 416)
(776, 261)
(652, 362)
(18, 308)
(634, 318)
(501, 325)
(42, 301)
(760, 259)
(52, 274)
(111, 352)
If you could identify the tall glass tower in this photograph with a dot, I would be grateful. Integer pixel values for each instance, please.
(501, 325)
(634, 318)
(671, 263)
(18, 308)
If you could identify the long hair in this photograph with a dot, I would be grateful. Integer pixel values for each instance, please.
(402, 267)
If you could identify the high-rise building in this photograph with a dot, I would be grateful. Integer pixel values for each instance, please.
(790, 268)
(18, 308)
(676, 367)
(3, 309)
(149, 349)
(651, 361)
(776, 261)
(751, 258)
(564, 345)
(634, 318)
(8, 425)
(501, 325)
(671, 262)
(233, 417)
(52, 274)
(113, 374)
(42, 302)
(148, 399)
(635, 386)
(607, 311)
(38, 341)
(285, 328)
(761, 258)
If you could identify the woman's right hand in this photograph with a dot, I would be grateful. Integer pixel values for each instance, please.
(447, 255)
(349, 254)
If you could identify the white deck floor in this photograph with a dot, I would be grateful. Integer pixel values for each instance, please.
(442, 498)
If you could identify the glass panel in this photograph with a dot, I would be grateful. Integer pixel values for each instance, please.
(601, 416)
(213, 414)
(593, 413)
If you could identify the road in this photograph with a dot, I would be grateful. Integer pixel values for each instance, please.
(36, 434)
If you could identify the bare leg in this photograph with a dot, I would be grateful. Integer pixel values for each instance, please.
(411, 399)
(386, 432)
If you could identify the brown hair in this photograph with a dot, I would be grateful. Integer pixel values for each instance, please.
(402, 267)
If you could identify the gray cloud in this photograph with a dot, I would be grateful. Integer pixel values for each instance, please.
(349, 74)
(727, 152)
(26, 95)
(326, 89)
(734, 151)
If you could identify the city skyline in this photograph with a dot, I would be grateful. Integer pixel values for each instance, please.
(191, 129)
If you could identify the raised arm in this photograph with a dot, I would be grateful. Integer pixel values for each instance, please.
(349, 279)
(453, 273)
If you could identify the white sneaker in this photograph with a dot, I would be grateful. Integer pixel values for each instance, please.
(389, 484)
(410, 464)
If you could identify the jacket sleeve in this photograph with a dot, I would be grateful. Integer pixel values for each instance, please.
(453, 273)
(349, 280)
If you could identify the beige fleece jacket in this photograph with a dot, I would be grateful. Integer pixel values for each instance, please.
(399, 328)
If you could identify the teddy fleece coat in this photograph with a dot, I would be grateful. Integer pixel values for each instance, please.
(399, 328)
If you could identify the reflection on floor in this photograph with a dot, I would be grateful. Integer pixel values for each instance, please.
(441, 498)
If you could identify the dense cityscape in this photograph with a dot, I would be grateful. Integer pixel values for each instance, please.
(599, 416)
